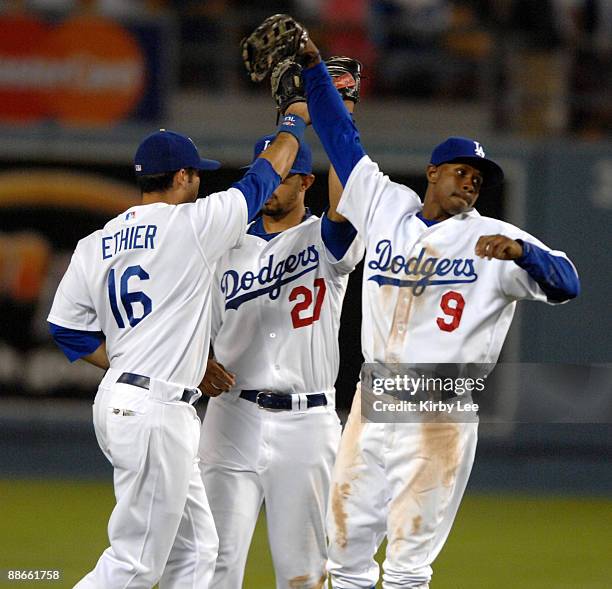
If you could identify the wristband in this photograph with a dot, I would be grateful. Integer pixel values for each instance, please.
(293, 124)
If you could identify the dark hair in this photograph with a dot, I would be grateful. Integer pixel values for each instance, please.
(160, 182)
(155, 182)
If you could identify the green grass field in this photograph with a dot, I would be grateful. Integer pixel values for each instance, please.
(498, 542)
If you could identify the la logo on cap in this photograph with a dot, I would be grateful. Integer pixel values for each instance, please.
(478, 150)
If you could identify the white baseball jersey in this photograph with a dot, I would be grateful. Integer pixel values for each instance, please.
(277, 310)
(144, 280)
(276, 317)
(426, 296)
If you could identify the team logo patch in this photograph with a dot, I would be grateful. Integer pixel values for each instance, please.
(478, 149)
(420, 271)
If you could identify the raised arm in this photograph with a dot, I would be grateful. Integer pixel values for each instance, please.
(265, 175)
(282, 151)
(280, 38)
(330, 118)
(335, 187)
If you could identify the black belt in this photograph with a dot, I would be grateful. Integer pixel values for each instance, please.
(283, 402)
(144, 382)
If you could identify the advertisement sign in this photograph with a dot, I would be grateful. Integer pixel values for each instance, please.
(83, 71)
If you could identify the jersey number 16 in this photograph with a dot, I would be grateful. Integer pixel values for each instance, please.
(128, 298)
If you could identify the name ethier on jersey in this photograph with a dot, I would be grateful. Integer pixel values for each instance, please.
(129, 238)
(424, 270)
(271, 276)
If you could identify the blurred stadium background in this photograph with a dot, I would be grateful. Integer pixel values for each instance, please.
(81, 82)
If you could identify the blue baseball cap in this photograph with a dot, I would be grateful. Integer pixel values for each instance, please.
(303, 160)
(463, 150)
(166, 151)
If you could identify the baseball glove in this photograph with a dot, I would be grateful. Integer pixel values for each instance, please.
(287, 85)
(277, 38)
(346, 74)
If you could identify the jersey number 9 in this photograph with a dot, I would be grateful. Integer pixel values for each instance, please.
(452, 303)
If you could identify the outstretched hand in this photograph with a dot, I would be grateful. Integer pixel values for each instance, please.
(216, 380)
(499, 247)
(309, 56)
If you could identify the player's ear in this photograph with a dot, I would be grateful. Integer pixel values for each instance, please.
(432, 172)
(180, 177)
(307, 180)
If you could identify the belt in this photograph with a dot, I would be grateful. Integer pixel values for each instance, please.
(190, 396)
(267, 400)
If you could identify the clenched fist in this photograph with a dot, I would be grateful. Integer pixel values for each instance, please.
(499, 247)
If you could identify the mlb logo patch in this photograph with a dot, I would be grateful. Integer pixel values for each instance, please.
(138, 167)
(130, 216)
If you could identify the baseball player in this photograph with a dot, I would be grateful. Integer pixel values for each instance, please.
(273, 436)
(440, 285)
(135, 300)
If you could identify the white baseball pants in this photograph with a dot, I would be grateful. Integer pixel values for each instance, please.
(285, 458)
(161, 529)
(402, 480)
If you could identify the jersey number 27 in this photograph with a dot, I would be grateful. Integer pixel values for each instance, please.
(304, 297)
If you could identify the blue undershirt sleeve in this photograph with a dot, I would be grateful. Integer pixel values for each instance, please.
(337, 236)
(257, 185)
(75, 343)
(332, 122)
(554, 274)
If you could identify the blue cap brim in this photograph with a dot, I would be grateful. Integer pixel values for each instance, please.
(492, 174)
(209, 164)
